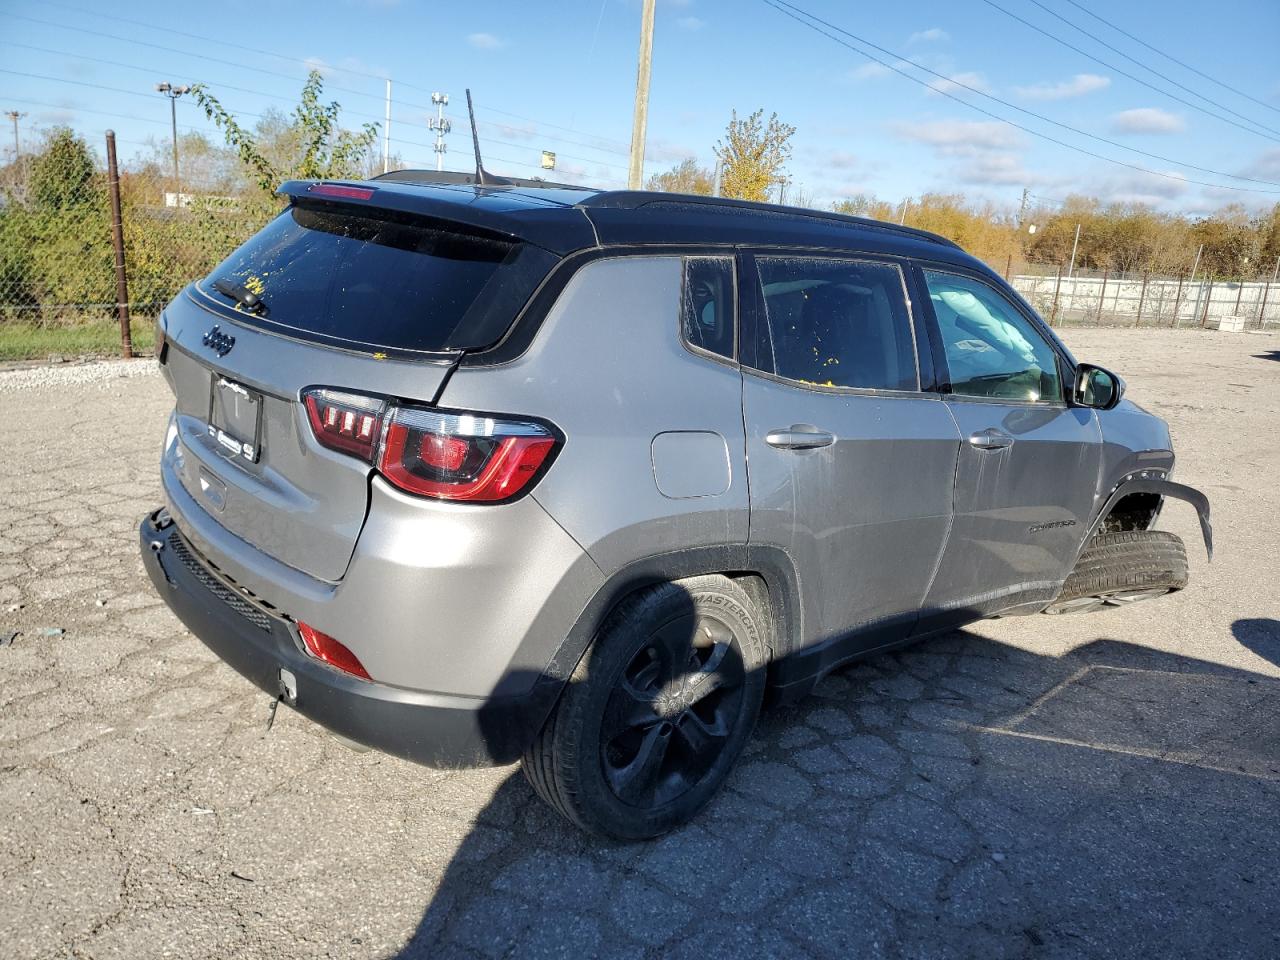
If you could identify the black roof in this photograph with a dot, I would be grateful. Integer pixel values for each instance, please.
(563, 218)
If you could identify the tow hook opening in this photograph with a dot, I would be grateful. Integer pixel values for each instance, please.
(288, 687)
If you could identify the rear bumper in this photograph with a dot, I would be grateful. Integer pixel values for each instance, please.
(439, 730)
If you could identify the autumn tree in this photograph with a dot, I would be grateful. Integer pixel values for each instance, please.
(865, 205)
(685, 177)
(753, 154)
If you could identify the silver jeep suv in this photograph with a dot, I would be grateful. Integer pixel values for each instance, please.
(473, 474)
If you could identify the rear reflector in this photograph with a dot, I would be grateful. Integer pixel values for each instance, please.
(338, 190)
(324, 647)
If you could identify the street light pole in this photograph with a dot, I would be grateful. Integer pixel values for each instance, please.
(635, 171)
(173, 92)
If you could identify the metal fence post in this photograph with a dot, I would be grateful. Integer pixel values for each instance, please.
(1204, 315)
(1141, 298)
(1102, 297)
(117, 241)
(1177, 302)
(1057, 285)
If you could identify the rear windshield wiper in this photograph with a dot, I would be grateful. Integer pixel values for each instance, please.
(241, 295)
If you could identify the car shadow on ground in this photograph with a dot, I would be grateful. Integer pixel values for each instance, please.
(955, 798)
(1269, 355)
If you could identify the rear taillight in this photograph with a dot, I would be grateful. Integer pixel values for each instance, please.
(349, 422)
(324, 647)
(444, 455)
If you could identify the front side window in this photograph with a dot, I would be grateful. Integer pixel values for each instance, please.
(837, 323)
(706, 314)
(992, 349)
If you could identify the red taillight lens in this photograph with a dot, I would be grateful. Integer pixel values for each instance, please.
(348, 422)
(463, 457)
(338, 190)
(431, 453)
(324, 647)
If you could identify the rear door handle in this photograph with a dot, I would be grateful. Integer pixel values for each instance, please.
(991, 439)
(799, 436)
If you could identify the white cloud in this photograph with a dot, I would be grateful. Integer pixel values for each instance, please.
(843, 160)
(871, 70)
(1266, 166)
(960, 137)
(995, 169)
(1147, 120)
(957, 81)
(346, 65)
(691, 24)
(932, 35)
(485, 41)
(1077, 86)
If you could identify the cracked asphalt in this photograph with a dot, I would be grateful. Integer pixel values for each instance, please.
(1105, 785)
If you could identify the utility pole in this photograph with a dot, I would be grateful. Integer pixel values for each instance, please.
(173, 93)
(635, 172)
(903, 219)
(715, 183)
(1072, 270)
(15, 116)
(386, 133)
(440, 125)
(1022, 207)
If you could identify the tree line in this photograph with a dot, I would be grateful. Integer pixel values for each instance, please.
(56, 261)
(1232, 243)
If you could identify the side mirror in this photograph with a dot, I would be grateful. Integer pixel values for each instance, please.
(1096, 387)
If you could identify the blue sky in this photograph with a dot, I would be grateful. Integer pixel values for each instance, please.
(561, 76)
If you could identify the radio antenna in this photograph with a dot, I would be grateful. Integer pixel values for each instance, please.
(483, 177)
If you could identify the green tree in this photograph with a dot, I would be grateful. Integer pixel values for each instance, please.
(308, 145)
(753, 154)
(62, 173)
(685, 177)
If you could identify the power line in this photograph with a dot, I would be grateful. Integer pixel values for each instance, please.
(185, 53)
(779, 5)
(1149, 69)
(1013, 106)
(1171, 57)
(1124, 73)
(227, 86)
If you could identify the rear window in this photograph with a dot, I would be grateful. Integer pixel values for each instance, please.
(384, 282)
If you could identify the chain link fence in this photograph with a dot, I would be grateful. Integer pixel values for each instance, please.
(57, 261)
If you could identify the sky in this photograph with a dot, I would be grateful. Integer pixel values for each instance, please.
(561, 76)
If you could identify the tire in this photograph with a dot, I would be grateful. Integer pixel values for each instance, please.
(656, 713)
(1121, 568)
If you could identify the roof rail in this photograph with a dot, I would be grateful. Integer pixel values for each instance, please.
(635, 199)
(454, 177)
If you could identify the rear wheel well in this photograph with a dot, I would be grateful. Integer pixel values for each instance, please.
(1136, 511)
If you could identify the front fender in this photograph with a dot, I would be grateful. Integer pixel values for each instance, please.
(1165, 488)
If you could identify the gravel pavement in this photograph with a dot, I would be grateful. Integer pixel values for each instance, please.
(1104, 785)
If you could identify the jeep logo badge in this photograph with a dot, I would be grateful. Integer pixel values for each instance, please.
(221, 342)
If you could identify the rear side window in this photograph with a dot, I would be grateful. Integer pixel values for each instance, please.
(707, 314)
(382, 282)
(837, 323)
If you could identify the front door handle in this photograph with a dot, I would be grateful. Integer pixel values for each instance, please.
(799, 436)
(991, 439)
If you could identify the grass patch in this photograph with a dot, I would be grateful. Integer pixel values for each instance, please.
(98, 338)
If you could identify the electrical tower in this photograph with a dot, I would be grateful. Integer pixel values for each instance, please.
(441, 126)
